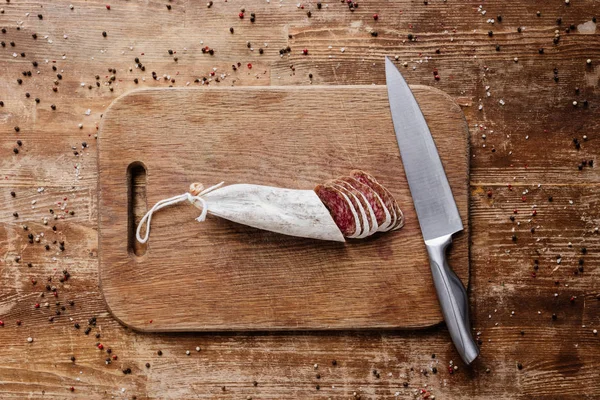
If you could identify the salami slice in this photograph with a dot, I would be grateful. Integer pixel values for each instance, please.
(341, 209)
(382, 214)
(372, 225)
(386, 196)
(363, 224)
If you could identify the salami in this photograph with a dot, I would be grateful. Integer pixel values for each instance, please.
(382, 214)
(386, 196)
(353, 206)
(340, 208)
(363, 224)
(371, 226)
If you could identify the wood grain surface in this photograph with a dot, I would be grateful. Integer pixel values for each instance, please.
(224, 276)
(528, 144)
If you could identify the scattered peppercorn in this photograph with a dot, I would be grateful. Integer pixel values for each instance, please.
(104, 33)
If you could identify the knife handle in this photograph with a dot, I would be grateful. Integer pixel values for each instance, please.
(453, 298)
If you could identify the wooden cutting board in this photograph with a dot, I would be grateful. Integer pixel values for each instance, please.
(218, 275)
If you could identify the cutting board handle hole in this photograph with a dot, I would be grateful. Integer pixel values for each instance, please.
(137, 205)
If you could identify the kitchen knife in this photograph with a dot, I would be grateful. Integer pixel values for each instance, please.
(435, 206)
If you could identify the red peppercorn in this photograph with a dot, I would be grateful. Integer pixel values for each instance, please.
(249, 66)
(572, 299)
(436, 77)
(1, 323)
(37, 305)
(515, 211)
(375, 17)
(534, 213)
(489, 193)
(72, 389)
(305, 52)
(100, 346)
(108, 6)
(114, 357)
(523, 198)
(19, 322)
(241, 15)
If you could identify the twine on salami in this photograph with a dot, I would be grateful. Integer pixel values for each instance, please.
(193, 196)
(353, 206)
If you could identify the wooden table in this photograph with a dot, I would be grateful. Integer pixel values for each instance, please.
(536, 324)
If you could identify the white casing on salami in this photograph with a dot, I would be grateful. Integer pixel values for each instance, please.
(287, 211)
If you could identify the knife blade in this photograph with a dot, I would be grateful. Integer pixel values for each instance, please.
(434, 203)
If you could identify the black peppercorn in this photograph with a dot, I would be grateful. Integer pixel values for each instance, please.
(160, 353)
(104, 33)
(541, 51)
(519, 29)
(490, 33)
(519, 365)
(231, 29)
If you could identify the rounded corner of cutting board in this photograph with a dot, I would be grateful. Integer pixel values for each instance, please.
(117, 314)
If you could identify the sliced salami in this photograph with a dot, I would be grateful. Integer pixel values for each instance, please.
(382, 214)
(386, 196)
(366, 206)
(341, 209)
(356, 204)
